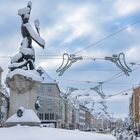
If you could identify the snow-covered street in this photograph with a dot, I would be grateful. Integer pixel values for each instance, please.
(75, 76)
(38, 133)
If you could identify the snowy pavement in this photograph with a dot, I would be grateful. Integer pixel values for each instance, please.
(38, 133)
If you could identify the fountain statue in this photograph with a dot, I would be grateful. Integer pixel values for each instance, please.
(23, 79)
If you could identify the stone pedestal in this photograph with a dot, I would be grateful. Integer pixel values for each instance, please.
(23, 92)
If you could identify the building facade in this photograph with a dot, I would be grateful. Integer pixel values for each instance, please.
(88, 117)
(82, 117)
(4, 101)
(134, 107)
(62, 113)
(68, 115)
(4, 106)
(59, 111)
(49, 100)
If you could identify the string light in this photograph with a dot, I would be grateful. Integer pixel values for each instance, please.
(119, 60)
(70, 59)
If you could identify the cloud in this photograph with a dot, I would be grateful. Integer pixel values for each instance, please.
(132, 53)
(79, 23)
(49, 64)
(118, 98)
(74, 24)
(126, 7)
(120, 115)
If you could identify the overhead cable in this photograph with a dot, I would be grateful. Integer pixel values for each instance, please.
(110, 35)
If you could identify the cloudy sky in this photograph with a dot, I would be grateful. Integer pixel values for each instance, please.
(69, 26)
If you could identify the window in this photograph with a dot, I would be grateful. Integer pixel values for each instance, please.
(51, 116)
(49, 104)
(41, 116)
(46, 116)
(49, 90)
(39, 90)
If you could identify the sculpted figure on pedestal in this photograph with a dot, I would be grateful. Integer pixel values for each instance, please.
(26, 56)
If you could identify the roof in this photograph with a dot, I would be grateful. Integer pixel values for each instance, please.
(46, 77)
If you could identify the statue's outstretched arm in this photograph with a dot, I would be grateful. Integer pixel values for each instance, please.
(40, 41)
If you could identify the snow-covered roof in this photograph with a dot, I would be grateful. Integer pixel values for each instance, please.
(28, 116)
(46, 77)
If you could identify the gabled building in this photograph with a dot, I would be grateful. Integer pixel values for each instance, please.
(49, 99)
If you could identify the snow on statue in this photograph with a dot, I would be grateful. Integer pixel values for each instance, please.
(23, 79)
(26, 56)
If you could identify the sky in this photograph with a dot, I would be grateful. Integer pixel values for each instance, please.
(69, 26)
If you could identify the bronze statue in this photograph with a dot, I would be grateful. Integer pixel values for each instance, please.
(26, 56)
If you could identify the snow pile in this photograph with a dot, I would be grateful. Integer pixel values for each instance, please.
(37, 133)
(26, 10)
(24, 48)
(34, 35)
(16, 65)
(28, 116)
(33, 74)
(16, 57)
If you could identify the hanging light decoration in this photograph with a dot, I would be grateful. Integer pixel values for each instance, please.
(68, 60)
(99, 90)
(120, 62)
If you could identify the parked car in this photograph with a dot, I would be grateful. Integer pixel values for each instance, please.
(100, 130)
(48, 125)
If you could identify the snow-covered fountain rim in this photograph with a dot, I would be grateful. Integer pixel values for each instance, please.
(30, 74)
